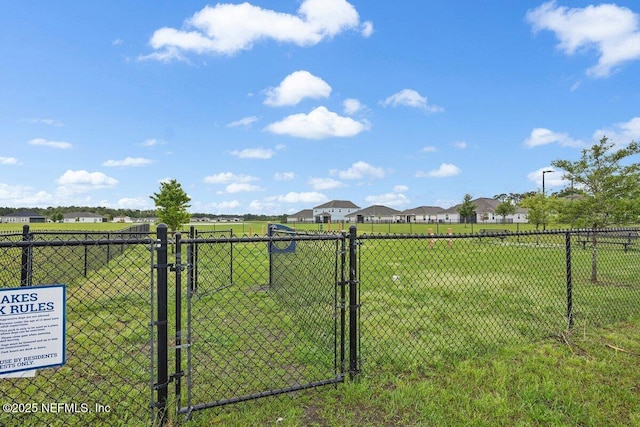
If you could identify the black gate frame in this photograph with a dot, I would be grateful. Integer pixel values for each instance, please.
(349, 303)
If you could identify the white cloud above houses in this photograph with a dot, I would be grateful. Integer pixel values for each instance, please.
(128, 162)
(229, 177)
(612, 31)
(445, 170)
(296, 87)
(361, 170)
(230, 28)
(324, 183)
(318, 124)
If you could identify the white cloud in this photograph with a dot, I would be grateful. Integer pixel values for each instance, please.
(226, 205)
(228, 177)
(411, 98)
(352, 106)
(308, 197)
(360, 170)
(117, 42)
(400, 188)
(324, 183)
(613, 31)
(55, 144)
(367, 29)
(429, 149)
(240, 187)
(551, 179)
(229, 28)
(20, 195)
(134, 203)
(253, 153)
(318, 124)
(393, 200)
(542, 136)
(49, 122)
(445, 170)
(128, 162)
(621, 133)
(152, 142)
(296, 87)
(244, 122)
(462, 145)
(81, 181)
(8, 161)
(284, 176)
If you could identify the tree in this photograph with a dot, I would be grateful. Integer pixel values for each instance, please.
(539, 207)
(505, 208)
(610, 186)
(466, 209)
(171, 204)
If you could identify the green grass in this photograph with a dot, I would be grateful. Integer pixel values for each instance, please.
(469, 332)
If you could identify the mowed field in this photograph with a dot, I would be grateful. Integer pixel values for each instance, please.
(427, 306)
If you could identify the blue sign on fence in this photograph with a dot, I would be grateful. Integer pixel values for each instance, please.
(282, 247)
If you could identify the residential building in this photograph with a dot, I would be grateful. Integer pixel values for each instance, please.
(334, 211)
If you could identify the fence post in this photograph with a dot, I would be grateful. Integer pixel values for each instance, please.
(353, 304)
(161, 323)
(178, 339)
(569, 281)
(27, 259)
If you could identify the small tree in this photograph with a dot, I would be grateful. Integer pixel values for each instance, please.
(611, 189)
(466, 209)
(505, 208)
(539, 207)
(171, 204)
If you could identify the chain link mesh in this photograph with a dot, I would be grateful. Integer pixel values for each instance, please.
(105, 380)
(258, 322)
(430, 300)
(266, 321)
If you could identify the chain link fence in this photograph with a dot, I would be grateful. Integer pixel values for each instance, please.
(106, 377)
(254, 316)
(431, 300)
(265, 317)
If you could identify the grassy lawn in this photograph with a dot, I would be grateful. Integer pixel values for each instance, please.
(460, 332)
(588, 379)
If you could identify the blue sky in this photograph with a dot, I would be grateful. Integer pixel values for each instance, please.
(271, 107)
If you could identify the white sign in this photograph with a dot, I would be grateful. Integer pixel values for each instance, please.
(32, 327)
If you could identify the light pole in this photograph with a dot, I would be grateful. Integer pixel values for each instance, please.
(544, 220)
(543, 172)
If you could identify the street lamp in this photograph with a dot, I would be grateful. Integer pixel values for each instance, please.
(543, 172)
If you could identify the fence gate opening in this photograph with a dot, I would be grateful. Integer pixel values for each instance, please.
(255, 316)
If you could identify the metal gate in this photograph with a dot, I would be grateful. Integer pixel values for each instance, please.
(254, 316)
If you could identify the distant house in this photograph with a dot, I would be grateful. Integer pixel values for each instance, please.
(334, 211)
(122, 219)
(84, 217)
(485, 213)
(374, 214)
(23, 217)
(304, 216)
(421, 214)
